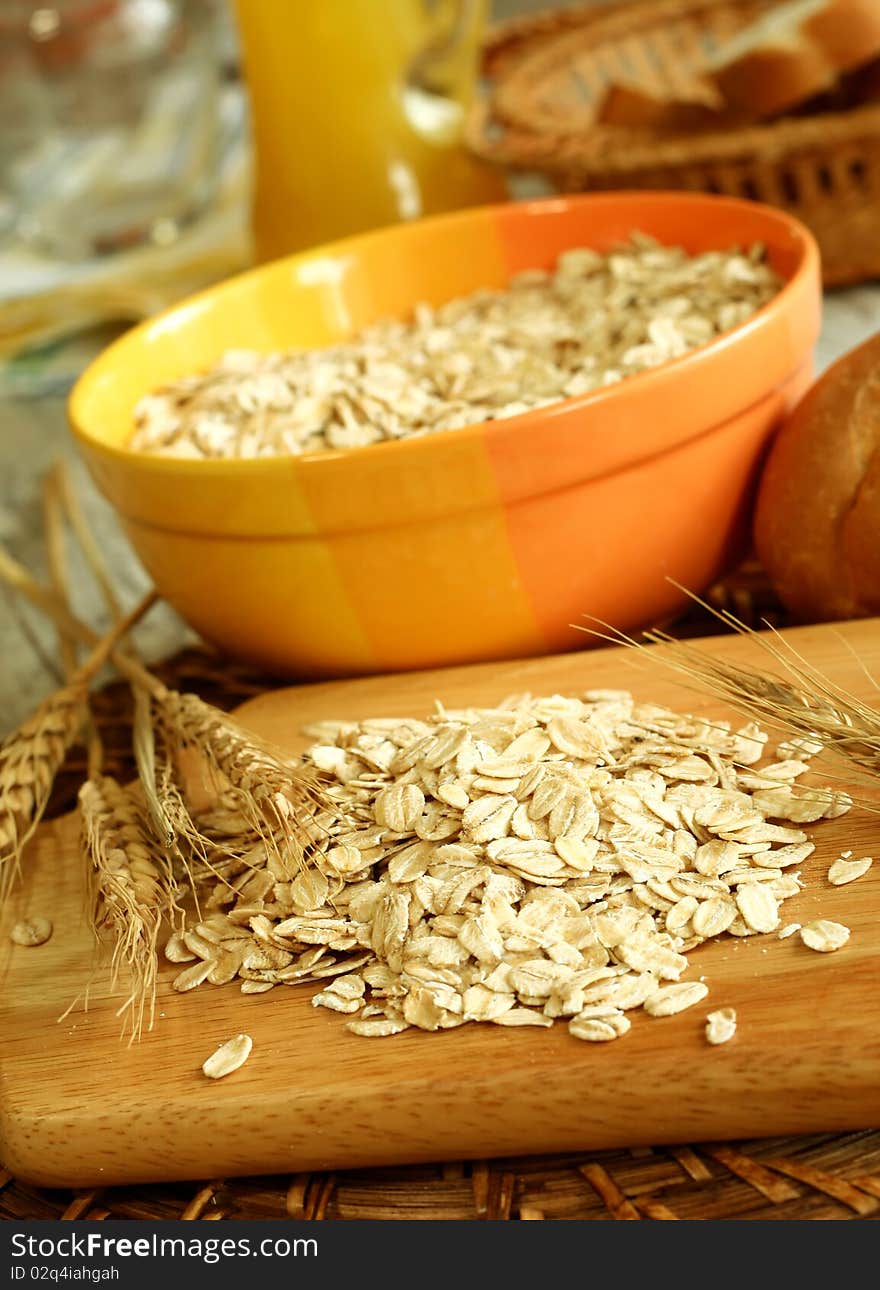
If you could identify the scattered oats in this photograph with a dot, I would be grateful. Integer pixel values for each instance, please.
(713, 916)
(399, 807)
(824, 936)
(347, 987)
(788, 930)
(551, 858)
(482, 938)
(844, 870)
(578, 853)
(597, 1026)
(758, 907)
(228, 1057)
(377, 1027)
(670, 999)
(483, 1004)
(595, 320)
(198, 946)
(681, 913)
(487, 819)
(453, 795)
(804, 806)
(522, 1017)
(799, 746)
(841, 803)
(192, 976)
(721, 1025)
(32, 931)
(177, 951)
(785, 856)
(335, 1002)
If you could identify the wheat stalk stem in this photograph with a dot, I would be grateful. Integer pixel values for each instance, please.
(17, 577)
(84, 536)
(53, 531)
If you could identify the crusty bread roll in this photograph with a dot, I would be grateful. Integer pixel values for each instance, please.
(848, 30)
(817, 521)
(798, 49)
(795, 51)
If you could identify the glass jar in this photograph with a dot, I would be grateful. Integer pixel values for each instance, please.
(109, 121)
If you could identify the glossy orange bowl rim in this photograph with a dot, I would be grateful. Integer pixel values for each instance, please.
(808, 263)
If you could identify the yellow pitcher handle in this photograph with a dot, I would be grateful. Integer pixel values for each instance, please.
(446, 62)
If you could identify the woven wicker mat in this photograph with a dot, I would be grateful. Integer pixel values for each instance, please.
(824, 1176)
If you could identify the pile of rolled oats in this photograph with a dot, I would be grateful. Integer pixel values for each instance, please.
(551, 858)
(591, 322)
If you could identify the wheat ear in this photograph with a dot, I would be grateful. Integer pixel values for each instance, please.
(129, 880)
(30, 758)
(32, 755)
(795, 698)
(132, 889)
(280, 798)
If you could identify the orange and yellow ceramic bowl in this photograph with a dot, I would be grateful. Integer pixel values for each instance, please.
(481, 543)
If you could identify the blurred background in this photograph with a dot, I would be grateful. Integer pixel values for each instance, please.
(150, 147)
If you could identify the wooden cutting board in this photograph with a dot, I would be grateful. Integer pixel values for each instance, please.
(79, 1107)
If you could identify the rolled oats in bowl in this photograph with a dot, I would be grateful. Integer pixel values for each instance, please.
(550, 335)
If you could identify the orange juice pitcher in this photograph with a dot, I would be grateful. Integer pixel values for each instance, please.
(357, 114)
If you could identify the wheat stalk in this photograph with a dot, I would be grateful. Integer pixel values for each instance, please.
(274, 788)
(278, 800)
(53, 531)
(144, 748)
(795, 698)
(32, 755)
(131, 882)
(58, 495)
(132, 889)
(277, 803)
(30, 758)
(67, 497)
(226, 826)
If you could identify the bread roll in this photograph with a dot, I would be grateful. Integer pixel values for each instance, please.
(796, 50)
(793, 52)
(817, 520)
(848, 30)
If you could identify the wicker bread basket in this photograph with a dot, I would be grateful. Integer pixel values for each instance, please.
(548, 79)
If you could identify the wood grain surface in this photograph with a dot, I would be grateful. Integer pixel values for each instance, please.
(79, 1107)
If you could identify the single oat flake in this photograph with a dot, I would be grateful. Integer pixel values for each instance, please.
(228, 1057)
(31, 931)
(675, 998)
(721, 1025)
(844, 870)
(824, 935)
